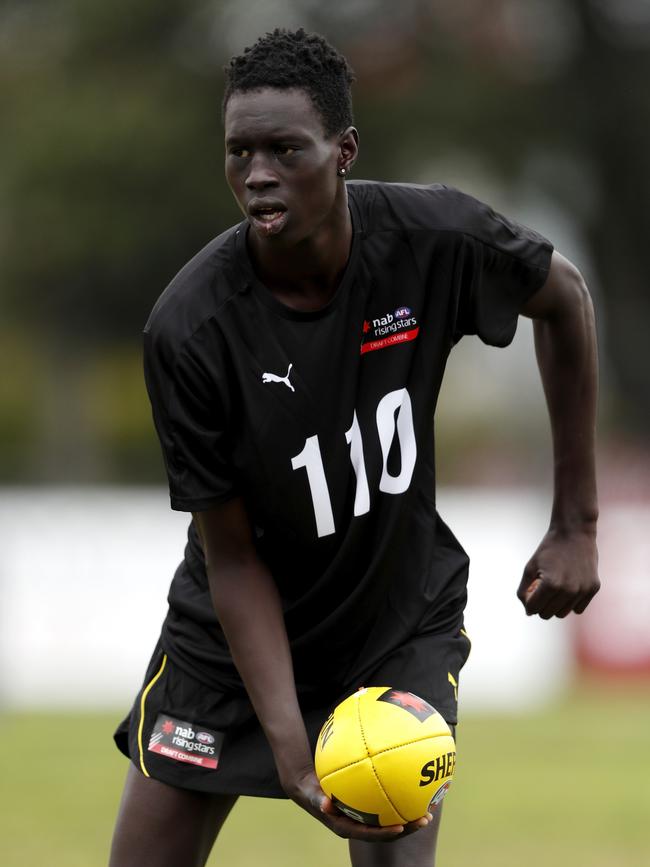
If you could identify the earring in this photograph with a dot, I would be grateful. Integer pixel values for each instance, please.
(342, 173)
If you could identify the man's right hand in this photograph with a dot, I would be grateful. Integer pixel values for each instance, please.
(307, 793)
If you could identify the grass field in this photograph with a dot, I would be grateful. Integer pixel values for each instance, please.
(570, 786)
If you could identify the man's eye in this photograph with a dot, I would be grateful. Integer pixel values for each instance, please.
(285, 150)
(240, 152)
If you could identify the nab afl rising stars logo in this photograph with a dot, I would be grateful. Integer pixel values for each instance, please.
(397, 326)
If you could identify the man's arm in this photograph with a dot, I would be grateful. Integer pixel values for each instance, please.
(562, 575)
(249, 610)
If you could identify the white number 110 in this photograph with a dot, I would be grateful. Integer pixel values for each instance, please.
(311, 459)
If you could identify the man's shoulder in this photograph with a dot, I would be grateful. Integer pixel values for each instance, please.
(196, 294)
(387, 206)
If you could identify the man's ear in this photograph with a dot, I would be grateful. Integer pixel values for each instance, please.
(348, 149)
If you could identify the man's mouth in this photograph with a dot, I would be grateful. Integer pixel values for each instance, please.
(267, 218)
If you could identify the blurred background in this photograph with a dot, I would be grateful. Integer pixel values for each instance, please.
(111, 179)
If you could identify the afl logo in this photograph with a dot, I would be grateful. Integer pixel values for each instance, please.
(439, 795)
(204, 738)
(402, 312)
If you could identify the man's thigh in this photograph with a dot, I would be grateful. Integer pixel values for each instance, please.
(164, 826)
(416, 850)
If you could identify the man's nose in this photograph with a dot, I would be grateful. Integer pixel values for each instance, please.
(260, 174)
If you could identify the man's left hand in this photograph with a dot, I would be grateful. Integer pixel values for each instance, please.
(562, 575)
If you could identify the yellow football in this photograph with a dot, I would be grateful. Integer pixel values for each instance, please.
(385, 757)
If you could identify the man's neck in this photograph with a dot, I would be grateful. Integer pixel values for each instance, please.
(308, 274)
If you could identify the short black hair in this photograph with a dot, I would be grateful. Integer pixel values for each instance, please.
(287, 59)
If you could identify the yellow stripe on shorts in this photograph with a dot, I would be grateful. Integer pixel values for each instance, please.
(145, 693)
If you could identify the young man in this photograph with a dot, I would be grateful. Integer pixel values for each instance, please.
(293, 368)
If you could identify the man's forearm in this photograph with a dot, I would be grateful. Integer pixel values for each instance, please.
(562, 574)
(565, 343)
(250, 613)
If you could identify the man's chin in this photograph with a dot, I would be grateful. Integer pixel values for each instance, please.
(269, 226)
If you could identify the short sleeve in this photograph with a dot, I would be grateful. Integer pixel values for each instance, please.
(503, 263)
(189, 400)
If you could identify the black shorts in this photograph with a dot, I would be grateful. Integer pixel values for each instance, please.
(183, 733)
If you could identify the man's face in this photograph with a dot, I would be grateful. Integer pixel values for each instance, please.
(280, 165)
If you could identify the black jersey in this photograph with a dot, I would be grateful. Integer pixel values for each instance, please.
(323, 422)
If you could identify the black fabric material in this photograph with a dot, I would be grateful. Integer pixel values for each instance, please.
(245, 764)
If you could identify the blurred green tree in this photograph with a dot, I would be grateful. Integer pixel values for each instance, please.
(112, 180)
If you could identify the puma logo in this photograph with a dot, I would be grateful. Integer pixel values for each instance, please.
(273, 377)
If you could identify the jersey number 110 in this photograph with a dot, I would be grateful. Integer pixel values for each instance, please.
(310, 458)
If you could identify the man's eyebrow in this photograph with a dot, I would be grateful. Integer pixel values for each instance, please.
(279, 134)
